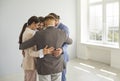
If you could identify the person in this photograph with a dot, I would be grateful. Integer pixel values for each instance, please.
(41, 23)
(41, 26)
(29, 55)
(64, 28)
(50, 66)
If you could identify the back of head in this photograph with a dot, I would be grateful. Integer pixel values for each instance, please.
(41, 19)
(33, 19)
(55, 15)
(49, 20)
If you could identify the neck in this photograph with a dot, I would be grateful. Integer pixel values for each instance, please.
(50, 25)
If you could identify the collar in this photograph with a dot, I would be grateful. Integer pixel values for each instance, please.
(58, 25)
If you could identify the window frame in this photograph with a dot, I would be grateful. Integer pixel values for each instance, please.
(104, 41)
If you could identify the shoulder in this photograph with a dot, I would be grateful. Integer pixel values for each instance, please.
(29, 31)
(59, 30)
(28, 34)
(63, 26)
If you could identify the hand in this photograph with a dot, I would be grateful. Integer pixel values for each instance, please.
(47, 50)
(57, 52)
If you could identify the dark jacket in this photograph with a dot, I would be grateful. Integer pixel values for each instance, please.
(52, 37)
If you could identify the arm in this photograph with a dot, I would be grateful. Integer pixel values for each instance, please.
(68, 40)
(33, 51)
(37, 53)
(66, 30)
(29, 43)
(41, 52)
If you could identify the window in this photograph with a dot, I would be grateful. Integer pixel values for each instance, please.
(103, 21)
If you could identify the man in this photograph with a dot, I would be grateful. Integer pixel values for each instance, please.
(50, 66)
(64, 28)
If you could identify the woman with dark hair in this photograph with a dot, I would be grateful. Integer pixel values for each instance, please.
(41, 24)
(29, 54)
(33, 20)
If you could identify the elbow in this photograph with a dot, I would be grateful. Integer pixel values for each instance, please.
(70, 41)
(20, 47)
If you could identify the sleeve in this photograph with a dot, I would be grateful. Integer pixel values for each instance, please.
(36, 53)
(66, 30)
(68, 40)
(41, 55)
(29, 43)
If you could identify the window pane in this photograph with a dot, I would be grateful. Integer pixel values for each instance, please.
(94, 1)
(112, 22)
(95, 23)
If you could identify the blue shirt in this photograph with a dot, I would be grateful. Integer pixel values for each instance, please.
(66, 30)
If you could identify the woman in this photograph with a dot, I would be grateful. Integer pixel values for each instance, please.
(29, 54)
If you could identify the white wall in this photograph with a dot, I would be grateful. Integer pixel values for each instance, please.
(115, 58)
(100, 53)
(14, 13)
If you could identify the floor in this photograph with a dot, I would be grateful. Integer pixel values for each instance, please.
(81, 70)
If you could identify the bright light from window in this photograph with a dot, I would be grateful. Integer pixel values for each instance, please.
(94, 1)
(76, 67)
(95, 23)
(103, 22)
(108, 72)
(112, 22)
(86, 65)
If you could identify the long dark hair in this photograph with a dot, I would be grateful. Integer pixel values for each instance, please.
(30, 21)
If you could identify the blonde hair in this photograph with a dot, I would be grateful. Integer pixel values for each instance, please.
(49, 20)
